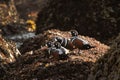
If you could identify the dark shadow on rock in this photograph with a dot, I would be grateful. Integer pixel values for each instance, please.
(108, 66)
(68, 70)
(98, 19)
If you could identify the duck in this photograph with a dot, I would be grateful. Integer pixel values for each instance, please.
(50, 48)
(56, 51)
(66, 43)
(60, 52)
(79, 42)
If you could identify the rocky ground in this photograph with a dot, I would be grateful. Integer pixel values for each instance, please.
(108, 66)
(33, 65)
(96, 21)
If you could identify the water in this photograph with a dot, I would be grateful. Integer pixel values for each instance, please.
(19, 38)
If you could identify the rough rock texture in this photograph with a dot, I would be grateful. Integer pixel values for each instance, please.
(108, 67)
(10, 23)
(8, 51)
(8, 55)
(33, 65)
(40, 40)
(96, 18)
(33, 43)
(30, 8)
(13, 28)
(8, 12)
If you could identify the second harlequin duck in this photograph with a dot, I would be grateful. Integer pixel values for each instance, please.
(79, 42)
(60, 52)
(50, 48)
(56, 51)
(64, 42)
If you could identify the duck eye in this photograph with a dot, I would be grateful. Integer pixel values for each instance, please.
(49, 44)
(73, 32)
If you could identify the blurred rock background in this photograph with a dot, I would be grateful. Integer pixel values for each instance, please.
(98, 19)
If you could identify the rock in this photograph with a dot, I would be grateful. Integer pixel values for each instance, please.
(30, 8)
(8, 12)
(33, 61)
(33, 43)
(10, 22)
(98, 19)
(109, 64)
(8, 51)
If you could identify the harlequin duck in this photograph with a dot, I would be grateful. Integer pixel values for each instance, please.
(60, 52)
(79, 42)
(50, 48)
(64, 42)
(56, 51)
(49, 44)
